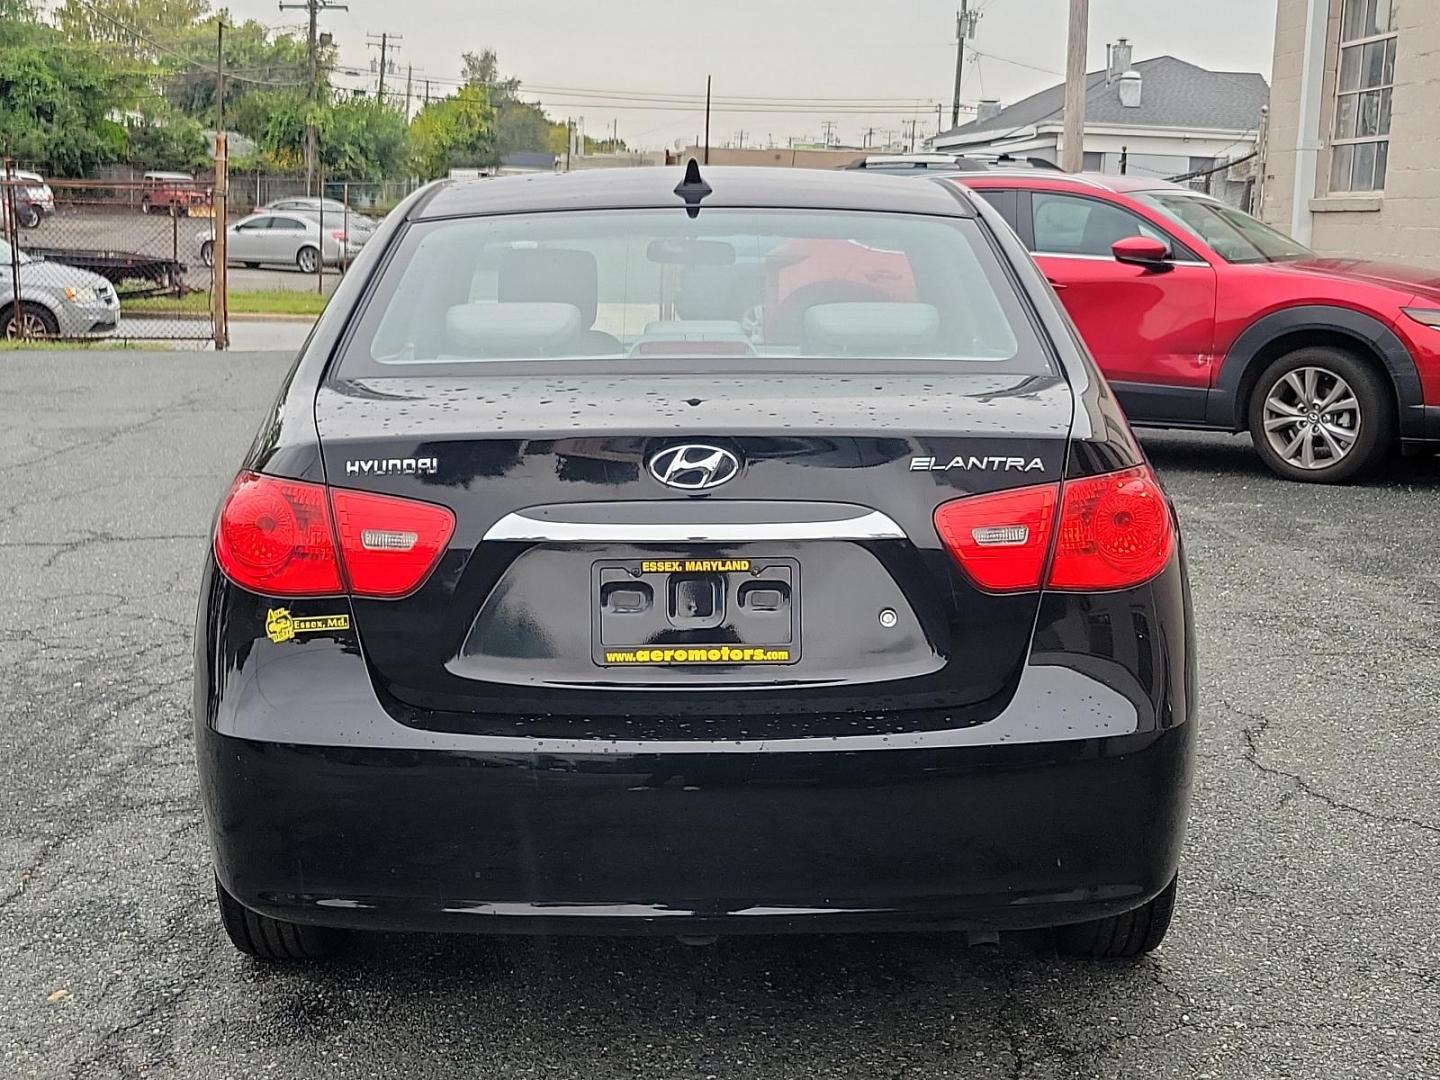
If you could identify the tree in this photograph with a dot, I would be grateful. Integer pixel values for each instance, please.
(363, 139)
(257, 62)
(53, 98)
(519, 125)
(455, 132)
(483, 68)
(114, 23)
(168, 140)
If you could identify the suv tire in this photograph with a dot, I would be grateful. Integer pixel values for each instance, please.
(1120, 937)
(265, 938)
(1322, 416)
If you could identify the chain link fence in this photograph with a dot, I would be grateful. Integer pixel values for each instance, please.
(105, 260)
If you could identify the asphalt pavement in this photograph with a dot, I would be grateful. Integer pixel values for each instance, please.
(1306, 942)
(125, 229)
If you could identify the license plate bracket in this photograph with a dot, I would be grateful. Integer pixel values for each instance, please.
(688, 611)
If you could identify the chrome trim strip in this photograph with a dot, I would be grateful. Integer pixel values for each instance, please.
(870, 526)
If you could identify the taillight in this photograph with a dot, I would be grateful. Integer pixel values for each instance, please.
(1000, 540)
(274, 537)
(278, 537)
(1114, 532)
(390, 545)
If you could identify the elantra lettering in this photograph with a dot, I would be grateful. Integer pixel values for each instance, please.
(992, 464)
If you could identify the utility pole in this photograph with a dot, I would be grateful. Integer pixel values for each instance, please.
(427, 93)
(1072, 154)
(707, 119)
(409, 77)
(312, 56)
(965, 20)
(829, 126)
(386, 44)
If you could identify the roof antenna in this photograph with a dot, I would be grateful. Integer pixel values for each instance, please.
(693, 188)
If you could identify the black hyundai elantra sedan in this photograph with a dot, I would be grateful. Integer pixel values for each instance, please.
(695, 552)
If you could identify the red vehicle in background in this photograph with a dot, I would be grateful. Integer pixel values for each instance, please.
(162, 192)
(1201, 316)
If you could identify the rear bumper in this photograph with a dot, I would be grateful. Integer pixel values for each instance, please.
(966, 837)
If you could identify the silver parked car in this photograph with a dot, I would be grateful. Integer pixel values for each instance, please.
(58, 300)
(283, 239)
(335, 212)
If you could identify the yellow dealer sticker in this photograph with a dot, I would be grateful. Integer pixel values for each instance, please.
(699, 654)
(693, 566)
(280, 625)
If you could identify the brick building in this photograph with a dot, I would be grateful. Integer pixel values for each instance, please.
(1353, 152)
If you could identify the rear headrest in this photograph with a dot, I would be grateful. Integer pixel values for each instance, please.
(551, 275)
(512, 330)
(871, 329)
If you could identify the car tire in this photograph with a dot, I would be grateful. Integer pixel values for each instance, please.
(41, 321)
(145, 206)
(307, 259)
(1120, 937)
(265, 938)
(29, 217)
(1299, 385)
(207, 253)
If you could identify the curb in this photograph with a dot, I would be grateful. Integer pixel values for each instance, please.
(260, 316)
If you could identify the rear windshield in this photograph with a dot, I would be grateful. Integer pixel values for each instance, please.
(622, 284)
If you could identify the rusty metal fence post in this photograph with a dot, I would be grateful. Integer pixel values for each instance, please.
(320, 262)
(219, 245)
(345, 227)
(18, 325)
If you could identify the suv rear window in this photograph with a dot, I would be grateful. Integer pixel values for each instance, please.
(616, 284)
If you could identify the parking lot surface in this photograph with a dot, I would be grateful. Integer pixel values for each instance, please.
(1306, 942)
(127, 229)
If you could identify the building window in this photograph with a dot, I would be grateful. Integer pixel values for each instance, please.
(1360, 147)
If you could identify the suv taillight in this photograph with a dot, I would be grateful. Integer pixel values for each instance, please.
(1114, 532)
(290, 538)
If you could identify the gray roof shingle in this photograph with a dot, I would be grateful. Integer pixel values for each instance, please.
(1175, 95)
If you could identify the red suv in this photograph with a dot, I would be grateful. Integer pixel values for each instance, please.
(1203, 317)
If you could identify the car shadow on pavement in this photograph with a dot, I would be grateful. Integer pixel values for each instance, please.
(818, 1004)
(1219, 454)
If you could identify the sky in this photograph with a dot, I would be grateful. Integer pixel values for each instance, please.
(863, 65)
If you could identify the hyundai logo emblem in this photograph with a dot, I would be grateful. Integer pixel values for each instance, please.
(694, 467)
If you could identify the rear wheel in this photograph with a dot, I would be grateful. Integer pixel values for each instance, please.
(207, 253)
(308, 260)
(29, 216)
(145, 206)
(35, 322)
(272, 939)
(1120, 937)
(1322, 416)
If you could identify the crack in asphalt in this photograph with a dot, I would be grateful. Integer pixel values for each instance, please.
(1252, 736)
(1294, 976)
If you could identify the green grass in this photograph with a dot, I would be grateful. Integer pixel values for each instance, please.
(7, 345)
(258, 302)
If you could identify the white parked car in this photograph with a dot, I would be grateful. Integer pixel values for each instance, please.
(34, 201)
(283, 240)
